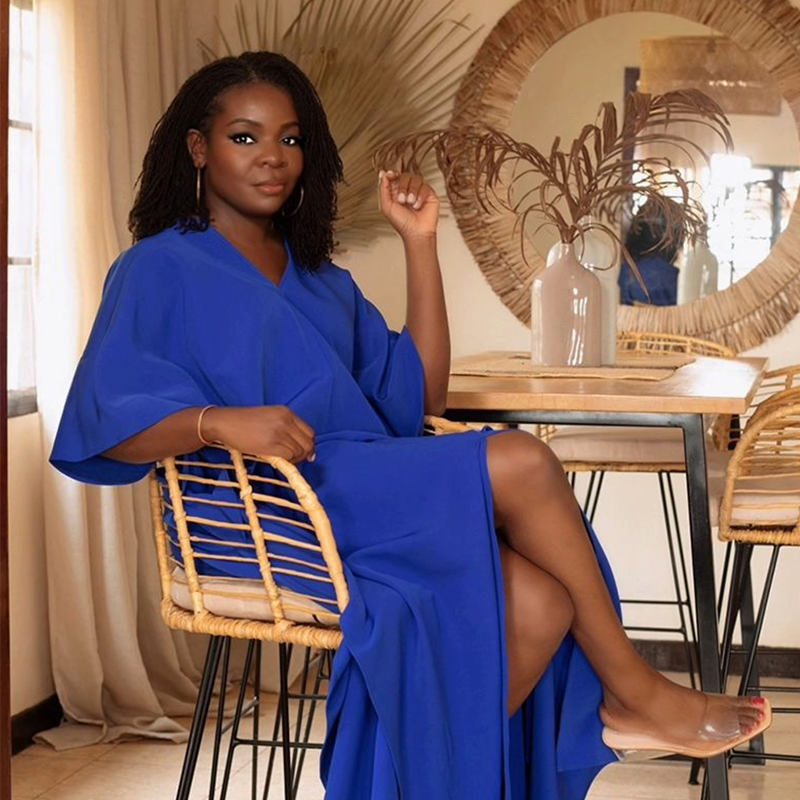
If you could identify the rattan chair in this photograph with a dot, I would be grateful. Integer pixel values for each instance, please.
(760, 506)
(264, 515)
(598, 450)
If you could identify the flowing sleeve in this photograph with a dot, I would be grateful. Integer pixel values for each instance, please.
(388, 369)
(134, 372)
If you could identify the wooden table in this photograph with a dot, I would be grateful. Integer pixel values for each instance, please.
(706, 386)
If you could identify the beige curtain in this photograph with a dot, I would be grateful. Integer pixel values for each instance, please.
(107, 71)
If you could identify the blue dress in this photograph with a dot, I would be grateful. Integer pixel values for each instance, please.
(417, 700)
(659, 275)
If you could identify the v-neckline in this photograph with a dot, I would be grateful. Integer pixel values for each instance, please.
(244, 259)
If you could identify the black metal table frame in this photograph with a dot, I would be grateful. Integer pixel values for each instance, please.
(699, 524)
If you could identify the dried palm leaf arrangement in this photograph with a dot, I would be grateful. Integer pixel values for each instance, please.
(586, 188)
(597, 177)
(381, 69)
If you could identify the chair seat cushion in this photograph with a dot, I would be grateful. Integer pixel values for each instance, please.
(765, 502)
(648, 447)
(603, 444)
(240, 598)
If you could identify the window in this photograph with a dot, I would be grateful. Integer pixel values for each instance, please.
(748, 207)
(21, 210)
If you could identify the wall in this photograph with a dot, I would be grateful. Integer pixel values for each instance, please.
(629, 515)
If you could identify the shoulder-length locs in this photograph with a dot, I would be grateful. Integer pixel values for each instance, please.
(166, 194)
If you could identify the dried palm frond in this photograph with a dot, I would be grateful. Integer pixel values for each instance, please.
(596, 176)
(380, 69)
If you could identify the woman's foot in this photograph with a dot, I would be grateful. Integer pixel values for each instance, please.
(672, 718)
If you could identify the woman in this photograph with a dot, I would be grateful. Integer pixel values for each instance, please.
(471, 574)
(655, 260)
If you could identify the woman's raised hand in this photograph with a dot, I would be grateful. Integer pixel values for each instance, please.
(260, 430)
(408, 203)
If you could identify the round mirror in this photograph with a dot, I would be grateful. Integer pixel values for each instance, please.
(543, 72)
(746, 195)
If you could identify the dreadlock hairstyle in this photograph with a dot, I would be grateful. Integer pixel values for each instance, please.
(166, 193)
(648, 230)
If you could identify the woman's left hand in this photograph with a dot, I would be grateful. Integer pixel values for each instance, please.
(408, 203)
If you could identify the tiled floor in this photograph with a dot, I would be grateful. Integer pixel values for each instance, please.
(148, 770)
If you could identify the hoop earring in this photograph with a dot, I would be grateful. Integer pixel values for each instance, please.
(198, 188)
(297, 207)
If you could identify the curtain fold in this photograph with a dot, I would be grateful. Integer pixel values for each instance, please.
(107, 68)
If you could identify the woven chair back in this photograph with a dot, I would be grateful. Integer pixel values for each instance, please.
(655, 342)
(720, 426)
(761, 501)
(252, 517)
(774, 382)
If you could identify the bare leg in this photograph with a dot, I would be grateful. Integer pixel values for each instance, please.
(535, 506)
(538, 617)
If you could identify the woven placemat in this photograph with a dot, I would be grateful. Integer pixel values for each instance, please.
(629, 367)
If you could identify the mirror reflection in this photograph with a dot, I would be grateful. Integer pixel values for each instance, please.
(747, 195)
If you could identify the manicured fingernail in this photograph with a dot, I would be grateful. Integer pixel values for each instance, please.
(412, 198)
(381, 175)
(401, 198)
(418, 205)
(312, 457)
(758, 701)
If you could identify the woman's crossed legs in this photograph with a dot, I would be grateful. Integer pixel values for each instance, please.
(561, 588)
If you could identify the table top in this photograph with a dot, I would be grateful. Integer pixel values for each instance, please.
(706, 386)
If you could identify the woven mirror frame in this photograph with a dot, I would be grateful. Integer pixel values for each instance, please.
(743, 316)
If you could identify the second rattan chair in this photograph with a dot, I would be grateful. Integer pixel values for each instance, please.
(760, 506)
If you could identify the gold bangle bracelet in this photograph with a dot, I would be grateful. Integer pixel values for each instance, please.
(200, 424)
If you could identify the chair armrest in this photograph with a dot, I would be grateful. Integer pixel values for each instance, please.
(438, 426)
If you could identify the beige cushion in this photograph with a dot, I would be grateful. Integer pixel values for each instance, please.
(615, 445)
(645, 446)
(239, 598)
(781, 507)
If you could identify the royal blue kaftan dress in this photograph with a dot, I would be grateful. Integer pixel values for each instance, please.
(417, 700)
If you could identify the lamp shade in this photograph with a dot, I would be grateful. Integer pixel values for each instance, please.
(713, 64)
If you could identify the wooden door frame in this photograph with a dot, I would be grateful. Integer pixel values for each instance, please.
(5, 650)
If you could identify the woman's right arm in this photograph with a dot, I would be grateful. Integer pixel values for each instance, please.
(259, 430)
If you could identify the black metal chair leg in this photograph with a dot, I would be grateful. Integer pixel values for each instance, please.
(676, 582)
(256, 720)
(747, 623)
(223, 682)
(750, 666)
(298, 723)
(237, 718)
(271, 762)
(286, 734)
(723, 581)
(741, 566)
(587, 502)
(321, 675)
(598, 489)
(687, 593)
(200, 717)
(276, 729)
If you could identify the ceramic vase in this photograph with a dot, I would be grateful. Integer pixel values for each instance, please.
(598, 253)
(566, 313)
